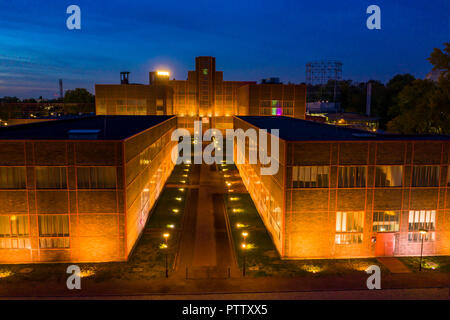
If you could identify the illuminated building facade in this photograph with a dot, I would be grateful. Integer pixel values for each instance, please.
(81, 189)
(133, 99)
(272, 99)
(204, 95)
(341, 192)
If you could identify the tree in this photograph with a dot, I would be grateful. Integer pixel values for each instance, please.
(441, 60)
(79, 95)
(423, 106)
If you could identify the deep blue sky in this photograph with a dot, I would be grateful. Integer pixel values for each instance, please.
(250, 39)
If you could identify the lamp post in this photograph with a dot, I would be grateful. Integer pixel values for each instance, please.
(422, 233)
(244, 248)
(166, 237)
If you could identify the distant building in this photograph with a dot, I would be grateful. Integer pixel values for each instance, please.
(204, 95)
(274, 99)
(322, 107)
(133, 99)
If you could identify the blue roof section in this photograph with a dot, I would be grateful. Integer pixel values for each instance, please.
(292, 129)
(107, 127)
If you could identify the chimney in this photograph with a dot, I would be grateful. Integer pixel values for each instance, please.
(369, 98)
(61, 93)
(124, 77)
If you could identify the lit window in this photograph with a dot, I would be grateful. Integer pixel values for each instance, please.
(51, 178)
(12, 178)
(388, 176)
(14, 226)
(53, 231)
(352, 177)
(310, 177)
(386, 221)
(349, 227)
(421, 220)
(425, 176)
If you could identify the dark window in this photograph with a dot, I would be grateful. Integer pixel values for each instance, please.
(425, 176)
(96, 177)
(51, 178)
(352, 177)
(12, 178)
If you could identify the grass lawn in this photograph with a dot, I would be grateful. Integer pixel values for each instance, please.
(146, 262)
(429, 264)
(262, 259)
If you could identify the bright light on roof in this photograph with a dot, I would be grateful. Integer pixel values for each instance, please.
(163, 73)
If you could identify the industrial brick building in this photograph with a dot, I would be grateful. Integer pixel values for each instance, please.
(80, 189)
(342, 192)
(204, 95)
(133, 99)
(272, 99)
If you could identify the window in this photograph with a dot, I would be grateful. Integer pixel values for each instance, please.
(53, 231)
(51, 178)
(386, 221)
(349, 227)
(421, 220)
(14, 226)
(12, 178)
(13, 230)
(388, 176)
(96, 177)
(350, 177)
(448, 176)
(425, 176)
(310, 177)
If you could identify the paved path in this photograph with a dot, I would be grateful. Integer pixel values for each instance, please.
(394, 265)
(205, 250)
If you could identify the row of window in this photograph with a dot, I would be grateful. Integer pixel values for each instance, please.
(56, 177)
(355, 176)
(350, 224)
(277, 103)
(53, 231)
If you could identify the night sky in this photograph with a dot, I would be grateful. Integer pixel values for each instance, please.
(251, 40)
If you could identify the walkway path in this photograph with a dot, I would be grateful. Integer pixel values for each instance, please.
(205, 250)
(394, 265)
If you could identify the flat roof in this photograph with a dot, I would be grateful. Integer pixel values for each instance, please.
(94, 128)
(292, 129)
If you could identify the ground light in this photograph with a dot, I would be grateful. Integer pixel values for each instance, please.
(422, 233)
(86, 273)
(5, 273)
(175, 210)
